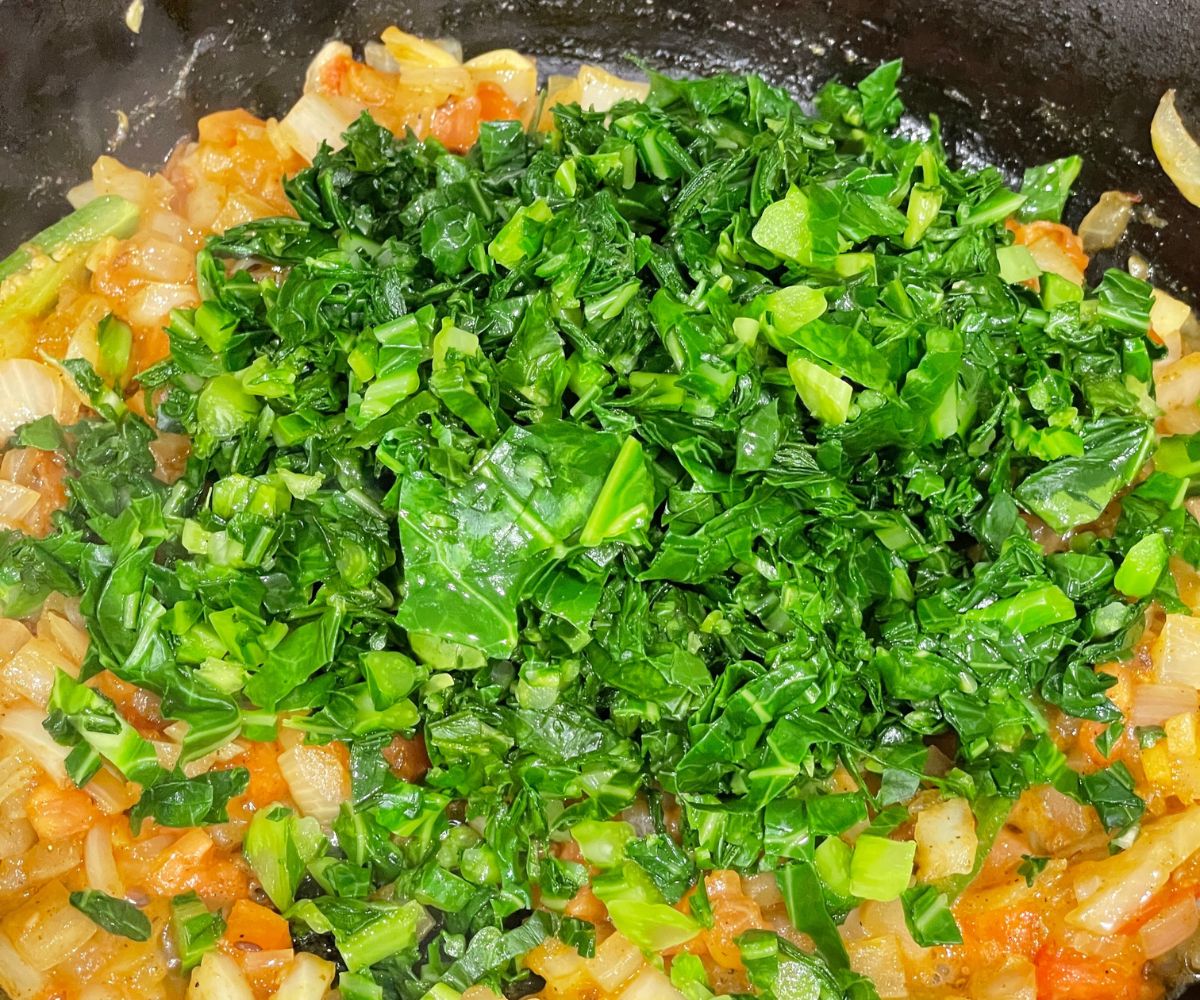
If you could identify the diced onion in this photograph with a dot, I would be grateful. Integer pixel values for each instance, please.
(317, 780)
(29, 390)
(1175, 148)
(377, 56)
(13, 635)
(307, 979)
(70, 638)
(617, 959)
(406, 48)
(514, 73)
(1105, 223)
(879, 959)
(81, 194)
(1049, 256)
(111, 792)
(650, 984)
(218, 977)
(599, 90)
(99, 863)
(1153, 704)
(1170, 928)
(15, 502)
(554, 961)
(328, 53)
(18, 978)
(1168, 314)
(1177, 387)
(25, 726)
(32, 669)
(51, 928)
(763, 889)
(16, 835)
(151, 305)
(317, 118)
(946, 840)
(1176, 651)
(1112, 891)
(1016, 979)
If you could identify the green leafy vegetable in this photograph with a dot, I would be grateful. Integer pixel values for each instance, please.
(117, 916)
(633, 483)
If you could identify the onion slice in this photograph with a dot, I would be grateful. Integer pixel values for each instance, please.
(1106, 221)
(1175, 148)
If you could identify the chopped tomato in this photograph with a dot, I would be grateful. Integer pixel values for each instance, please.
(585, 905)
(251, 924)
(494, 105)
(407, 758)
(992, 933)
(266, 780)
(58, 813)
(734, 913)
(1063, 236)
(139, 706)
(1066, 974)
(456, 123)
(193, 864)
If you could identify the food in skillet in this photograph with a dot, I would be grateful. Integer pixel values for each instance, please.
(606, 541)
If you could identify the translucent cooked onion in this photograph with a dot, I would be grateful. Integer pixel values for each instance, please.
(81, 194)
(15, 502)
(1177, 387)
(218, 977)
(329, 53)
(1051, 257)
(1105, 223)
(308, 978)
(1176, 651)
(512, 72)
(317, 118)
(1113, 891)
(317, 780)
(1168, 314)
(763, 889)
(151, 305)
(406, 48)
(29, 390)
(25, 726)
(1175, 148)
(376, 55)
(19, 979)
(599, 90)
(1153, 704)
(1170, 928)
(99, 863)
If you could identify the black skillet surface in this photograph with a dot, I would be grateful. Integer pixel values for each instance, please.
(1015, 82)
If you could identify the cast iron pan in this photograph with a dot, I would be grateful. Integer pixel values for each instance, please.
(1015, 81)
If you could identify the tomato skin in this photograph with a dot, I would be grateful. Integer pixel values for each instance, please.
(1063, 236)
(1066, 974)
(456, 124)
(408, 759)
(494, 105)
(251, 924)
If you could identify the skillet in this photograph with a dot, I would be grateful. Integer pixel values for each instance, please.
(1015, 83)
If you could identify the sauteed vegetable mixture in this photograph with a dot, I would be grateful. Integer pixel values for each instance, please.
(600, 541)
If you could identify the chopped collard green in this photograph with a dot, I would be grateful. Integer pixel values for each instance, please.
(681, 455)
